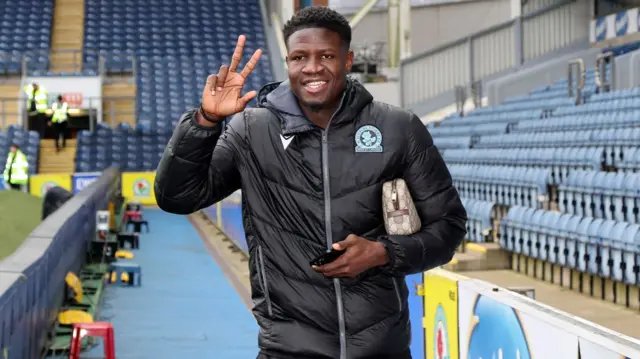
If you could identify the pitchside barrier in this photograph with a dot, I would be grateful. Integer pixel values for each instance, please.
(32, 278)
(455, 317)
(136, 186)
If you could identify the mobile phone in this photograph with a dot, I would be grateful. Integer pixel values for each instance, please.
(327, 257)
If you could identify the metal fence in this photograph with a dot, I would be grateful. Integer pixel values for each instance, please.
(112, 110)
(503, 47)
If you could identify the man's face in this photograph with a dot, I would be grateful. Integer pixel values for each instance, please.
(318, 63)
(35, 87)
(13, 149)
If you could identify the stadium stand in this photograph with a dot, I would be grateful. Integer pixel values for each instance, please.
(24, 27)
(176, 45)
(560, 178)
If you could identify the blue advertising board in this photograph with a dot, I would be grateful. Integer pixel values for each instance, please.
(82, 180)
(2, 186)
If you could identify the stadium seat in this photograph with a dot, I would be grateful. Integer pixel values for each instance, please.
(480, 216)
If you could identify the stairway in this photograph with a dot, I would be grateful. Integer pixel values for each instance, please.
(57, 162)
(9, 93)
(123, 108)
(67, 36)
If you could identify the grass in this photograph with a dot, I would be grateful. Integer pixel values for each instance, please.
(20, 214)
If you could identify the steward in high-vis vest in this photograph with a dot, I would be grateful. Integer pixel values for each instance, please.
(36, 98)
(59, 120)
(37, 105)
(16, 171)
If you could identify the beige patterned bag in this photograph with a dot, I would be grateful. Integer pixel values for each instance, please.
(400, 215)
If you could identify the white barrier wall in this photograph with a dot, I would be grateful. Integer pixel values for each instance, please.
(473, 319)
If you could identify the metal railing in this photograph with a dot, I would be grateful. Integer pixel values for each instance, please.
(85, 61)
(502, 47)
(112, 110)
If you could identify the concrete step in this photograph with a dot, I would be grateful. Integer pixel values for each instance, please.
(478, 257)
(50, 143)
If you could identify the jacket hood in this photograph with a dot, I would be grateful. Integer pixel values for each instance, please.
(279, 98)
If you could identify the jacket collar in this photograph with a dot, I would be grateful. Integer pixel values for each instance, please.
(279, 98)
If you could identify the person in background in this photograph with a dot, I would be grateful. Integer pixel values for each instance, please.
(59, 120)
(37, 105)
(16, 171)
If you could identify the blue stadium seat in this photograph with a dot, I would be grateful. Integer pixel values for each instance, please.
(480, 219)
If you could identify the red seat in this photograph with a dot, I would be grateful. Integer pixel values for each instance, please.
(97, 329)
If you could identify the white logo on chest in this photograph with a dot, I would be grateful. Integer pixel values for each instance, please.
(286, 141)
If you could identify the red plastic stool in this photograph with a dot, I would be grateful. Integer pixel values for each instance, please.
(135, 215)
(97, 329)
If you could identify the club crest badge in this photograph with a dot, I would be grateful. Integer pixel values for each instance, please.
(368, 139)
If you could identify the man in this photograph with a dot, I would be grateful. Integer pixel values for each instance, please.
(59, 120)
(307, 186)
(16, 171)
(37, 105)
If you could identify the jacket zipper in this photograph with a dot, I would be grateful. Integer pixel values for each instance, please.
(327, 227)
(263, 281)
(398, 296)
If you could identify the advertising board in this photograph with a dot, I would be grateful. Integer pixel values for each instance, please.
(614, 26)
(82, 180)
(138, 186)
(490, 328)
(591, 350)
(40, 184)
(441, 314)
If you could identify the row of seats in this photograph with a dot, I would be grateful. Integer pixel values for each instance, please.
(616, 138)
(561, 161)
(609, 195)
(532, 104)
(129, 149)
(469, 130)
(596, 246)
(579, 123)
(473, 119)
(506, 185)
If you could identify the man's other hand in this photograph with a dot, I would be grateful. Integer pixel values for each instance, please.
(361, 254)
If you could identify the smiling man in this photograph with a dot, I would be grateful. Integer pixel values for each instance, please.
(311, 161)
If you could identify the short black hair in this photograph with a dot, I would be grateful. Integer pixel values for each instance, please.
(13, 144)
(59, 97)
(318, 17)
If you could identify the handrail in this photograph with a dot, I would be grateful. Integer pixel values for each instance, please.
(32, 278)
(603, 83)
(580, 79)
(107, 105)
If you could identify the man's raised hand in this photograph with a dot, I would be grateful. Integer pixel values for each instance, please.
(222, 93)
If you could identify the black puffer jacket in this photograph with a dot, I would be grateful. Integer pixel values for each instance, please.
(302, 189)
